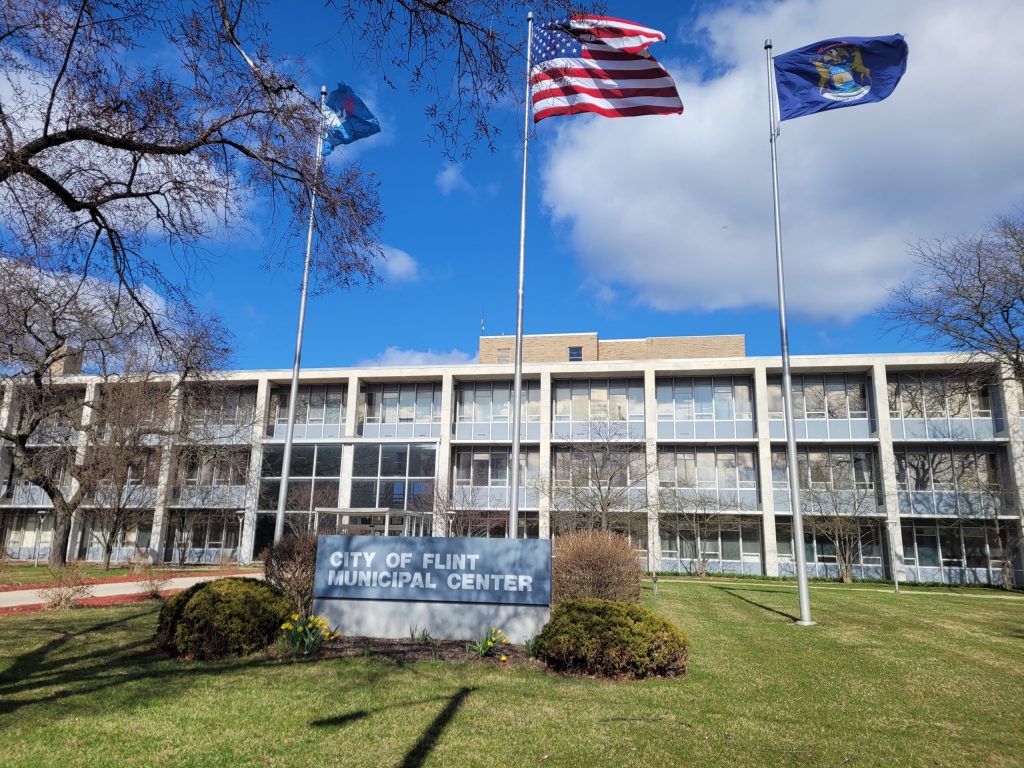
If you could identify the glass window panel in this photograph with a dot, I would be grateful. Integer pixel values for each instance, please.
(269, 491)
(424, 403)
(784, 539)
(927, 546)
(706, 474)
(744, 405)
(687, 543)
(499, 468)
(751, 534)
(390, 398)
(500, 397)
(949, 541)
(531, 391)
(799, 411)
(974, 547)
(273, 458)
(894, 400)
(481, 468)
(942, 470)
(463, 467)
(392, 494)
(482, 411)
(365, 460)
(934, 397)
(747, 469)
(775, 408)
(464, 402)
(965, 470)
(958, 397)
(814, 397)
(328, 460)
(730, 543)
(723, 400)
(422, 460)
(663, 394)
(325, 494)
(703, 396)
(407, 403)
(683, 397)
(393, 460)
(335, 405)
(301, 405)
(911, 396)
(780, 474)
(562, 401)
(300, 494)
(636, 400)
(857, 394)
(302, 461)
(727, 474)
(373, 410)
(436, 418)
(618, 401)
(835, 389)
(981, 402)
(364, 494)
(580, 401)
(317, 404)
(599, 401)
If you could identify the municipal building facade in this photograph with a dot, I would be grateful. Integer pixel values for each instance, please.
(927, 455)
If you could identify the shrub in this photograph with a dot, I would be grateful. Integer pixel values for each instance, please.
(69, 584)
(152, 578)
(595, 564)
(289, 566)
(222, 618)
(601, 637)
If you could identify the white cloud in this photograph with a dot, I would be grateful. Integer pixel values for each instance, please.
(678, 211)
(393, 356)
(450, 179)
(399, 266)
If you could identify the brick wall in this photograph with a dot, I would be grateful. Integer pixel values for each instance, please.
(555, 348)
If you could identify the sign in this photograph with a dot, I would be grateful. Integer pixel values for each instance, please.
(437, 570)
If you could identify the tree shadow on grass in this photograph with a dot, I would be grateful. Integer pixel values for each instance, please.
(419, 752)
(128, 673)
(734, 592)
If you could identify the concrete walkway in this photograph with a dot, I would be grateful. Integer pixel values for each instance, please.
(23, 597)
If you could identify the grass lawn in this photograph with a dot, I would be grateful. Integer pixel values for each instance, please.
(884, 680)
(28, 575)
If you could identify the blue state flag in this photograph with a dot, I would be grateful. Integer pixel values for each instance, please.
(346, 119)
(838, 73)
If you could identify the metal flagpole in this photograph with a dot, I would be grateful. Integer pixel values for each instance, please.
(286, 460)
(787, 380)
(517, 387)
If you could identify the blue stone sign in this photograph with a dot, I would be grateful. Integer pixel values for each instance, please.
(515, 572)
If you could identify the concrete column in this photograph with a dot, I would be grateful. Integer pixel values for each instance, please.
(764, 472)
(443, 467)
(165, 481)
(1011, 394)
(651, 479)
(6, 454)
(80, 453)
(887, 466)
(352, 407)
(544, 465)
(252, 484)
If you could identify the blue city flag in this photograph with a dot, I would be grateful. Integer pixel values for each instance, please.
(346, 119)
(837, 73)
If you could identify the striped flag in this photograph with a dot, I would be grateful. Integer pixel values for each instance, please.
(599, 64)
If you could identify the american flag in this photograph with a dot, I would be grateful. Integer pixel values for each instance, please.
(599, 64)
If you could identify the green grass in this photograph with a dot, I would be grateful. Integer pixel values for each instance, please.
(28, 575)
(883, 680)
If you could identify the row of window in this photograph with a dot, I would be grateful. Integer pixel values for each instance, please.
(721, 398)
(488, 402)
(835, 396)
(946, 469)
(936, 396)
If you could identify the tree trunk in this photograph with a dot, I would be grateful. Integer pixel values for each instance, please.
(60, 537)
(108, 550)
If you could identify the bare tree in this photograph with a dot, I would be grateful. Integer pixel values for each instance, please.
(698, 511)
(54, 325)
(840, 509)
(598, 484)
(968, 293)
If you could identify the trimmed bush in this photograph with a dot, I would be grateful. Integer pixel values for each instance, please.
(289, 566)
(595, 564)
(610, 639)
(221, 618)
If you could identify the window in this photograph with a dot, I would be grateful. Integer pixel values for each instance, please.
(483, 467)
(401, 403)
(723, 398)
(575, 354)
(314, 477)
(503, 355)
(491, 402)
(395, 475)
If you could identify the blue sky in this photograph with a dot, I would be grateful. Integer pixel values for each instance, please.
(658, 225)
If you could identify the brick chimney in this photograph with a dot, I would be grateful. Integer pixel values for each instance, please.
(68, 362)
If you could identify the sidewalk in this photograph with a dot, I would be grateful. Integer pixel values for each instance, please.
(28, 600)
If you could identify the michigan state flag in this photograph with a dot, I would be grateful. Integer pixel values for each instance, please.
(837, 73)
(346, 119)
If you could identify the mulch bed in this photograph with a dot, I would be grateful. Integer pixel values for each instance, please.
(406, 651)
(88, 602)
(126, 578)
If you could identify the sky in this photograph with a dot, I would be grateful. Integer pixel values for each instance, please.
(658, 225)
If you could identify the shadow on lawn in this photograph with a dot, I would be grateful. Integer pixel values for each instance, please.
(128, 673)
(734, 592)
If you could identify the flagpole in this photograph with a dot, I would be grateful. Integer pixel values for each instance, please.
(286, 460)
(787, 379)
(517, 387)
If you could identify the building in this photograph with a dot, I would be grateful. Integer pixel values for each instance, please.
(929, 459)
